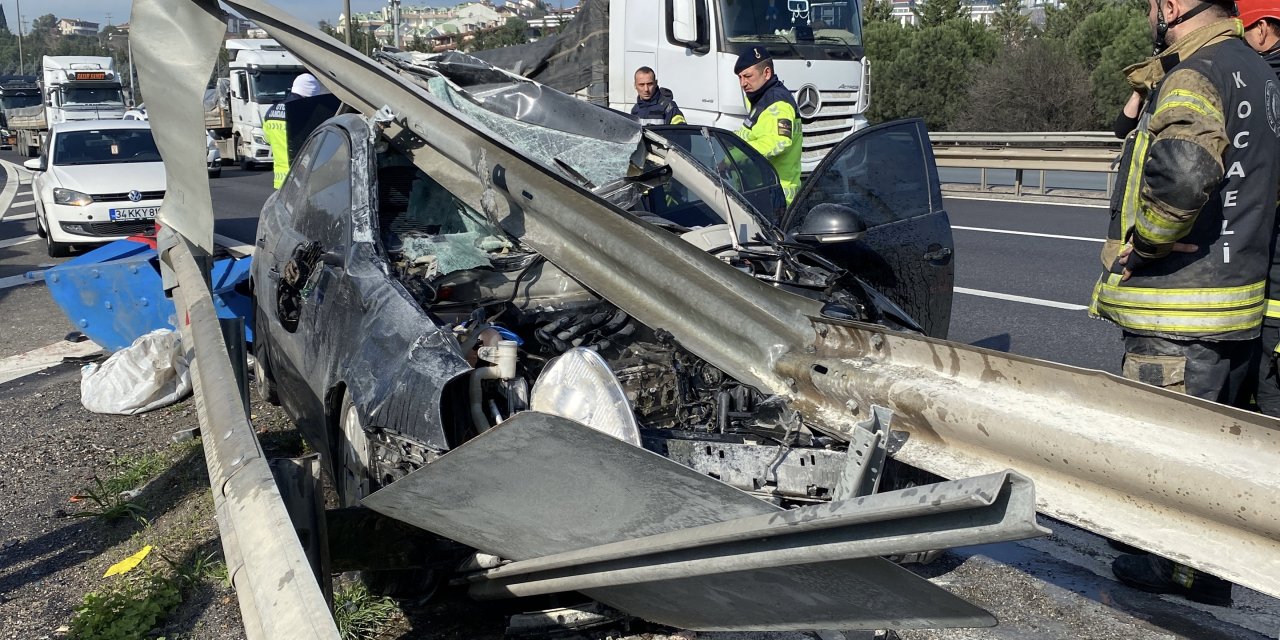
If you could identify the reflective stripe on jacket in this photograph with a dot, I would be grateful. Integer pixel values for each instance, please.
(772, 127)
(273, 129)
(1202, 168)
(660, 109)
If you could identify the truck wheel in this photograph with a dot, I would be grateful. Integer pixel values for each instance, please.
(246, 164)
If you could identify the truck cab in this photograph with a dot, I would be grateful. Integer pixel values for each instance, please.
(816, 47)
(261, 74)
(81, 88)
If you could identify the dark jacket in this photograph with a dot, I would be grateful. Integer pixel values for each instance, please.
(659, 109)
(1203, 169)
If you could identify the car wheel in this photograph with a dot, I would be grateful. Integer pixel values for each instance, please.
(262, 382)
(216, 172)
(58, 249)
(353, 456)
(40, 231)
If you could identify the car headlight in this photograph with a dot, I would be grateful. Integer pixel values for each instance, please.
(71, 197)
(258, 139)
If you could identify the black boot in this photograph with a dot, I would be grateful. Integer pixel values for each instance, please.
(1157, 575)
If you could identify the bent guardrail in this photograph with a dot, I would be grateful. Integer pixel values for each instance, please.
(278, 594)
(1089, 151)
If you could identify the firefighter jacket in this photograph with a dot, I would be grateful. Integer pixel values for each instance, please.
(659, 109)
(273, 129)
(1272, 318)
(773, 128)
(1201, 168)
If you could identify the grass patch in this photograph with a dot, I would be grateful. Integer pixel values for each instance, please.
(112, 499)
(129, 608)
(360, 615)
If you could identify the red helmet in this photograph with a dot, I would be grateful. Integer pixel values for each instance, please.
(1252, 11)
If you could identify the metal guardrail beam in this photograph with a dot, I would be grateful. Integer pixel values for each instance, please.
(1088, 151)
(279, 597)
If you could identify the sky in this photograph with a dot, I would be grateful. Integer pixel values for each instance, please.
(312, 11)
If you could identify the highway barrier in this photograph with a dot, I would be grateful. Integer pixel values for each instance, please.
(1089, 151)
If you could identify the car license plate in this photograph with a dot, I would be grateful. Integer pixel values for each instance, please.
(140, 213)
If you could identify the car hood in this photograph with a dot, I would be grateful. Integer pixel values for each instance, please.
(110, 178)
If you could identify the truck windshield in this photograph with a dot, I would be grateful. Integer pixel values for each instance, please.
(271, 86)
(72, 95)
(793, 28)
(104, 146)
(20, 101)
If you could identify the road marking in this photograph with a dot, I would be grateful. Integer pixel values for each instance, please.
(10, 186)
(1028, 233)
(25, 364)
(22, 203)
(1034, 202)
(19, 217)
(1012, 298)
(13, 242)
(21, 279)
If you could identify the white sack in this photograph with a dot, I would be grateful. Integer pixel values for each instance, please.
(152, 372)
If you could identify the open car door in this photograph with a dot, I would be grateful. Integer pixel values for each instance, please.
(884, 177)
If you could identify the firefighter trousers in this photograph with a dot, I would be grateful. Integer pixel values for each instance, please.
(1212, 370)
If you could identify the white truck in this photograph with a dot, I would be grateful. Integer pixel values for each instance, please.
(692, 45)
(261, 73)
(71, 88)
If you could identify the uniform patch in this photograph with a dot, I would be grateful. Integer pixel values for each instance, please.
(1273, 106)
(784, 128)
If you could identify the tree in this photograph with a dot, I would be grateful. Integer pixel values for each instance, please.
(513, 32)
(40, 27)
(1009, 24)
(1037, 86)
(877, 11)
(932, 13)
(1107, 82)
(1059, 22)
(926, 71)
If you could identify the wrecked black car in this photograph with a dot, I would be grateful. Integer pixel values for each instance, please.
(395, 322)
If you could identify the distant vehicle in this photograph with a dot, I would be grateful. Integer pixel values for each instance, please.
(213, 157)
(261, 74)
(72, 88)
(137, 113)
(98, 181)
(816, 46)
(16, 92)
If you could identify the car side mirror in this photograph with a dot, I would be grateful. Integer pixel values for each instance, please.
(35, 164)
(830, 223)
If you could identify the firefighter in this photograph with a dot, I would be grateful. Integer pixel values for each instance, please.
(1261, 20)
(772, 126)
(654, 105)
(1188, 248)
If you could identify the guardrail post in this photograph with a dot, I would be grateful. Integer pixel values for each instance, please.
(983, 186)
(1111, 183)
(1042, 189)
(1017, 182)
(233, 335)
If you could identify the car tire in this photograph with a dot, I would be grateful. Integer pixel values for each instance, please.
(58, 249)
(352, 457)
(263, 384)
(216, 173)
(351, 467)
(40, 231)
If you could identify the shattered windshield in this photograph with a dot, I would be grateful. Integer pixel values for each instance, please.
(270, 86)
(802, 28)
(92, 95)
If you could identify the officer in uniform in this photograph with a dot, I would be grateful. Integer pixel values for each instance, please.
(273, 124)
(654, 105)
(772, 126)
(1188, 250)
(1261, 20)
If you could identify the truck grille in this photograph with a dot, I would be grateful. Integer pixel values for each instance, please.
(834, 121)
(120, 197)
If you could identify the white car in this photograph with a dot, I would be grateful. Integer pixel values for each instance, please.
(98, 181)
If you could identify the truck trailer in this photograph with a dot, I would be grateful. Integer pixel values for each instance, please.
(71, 88)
